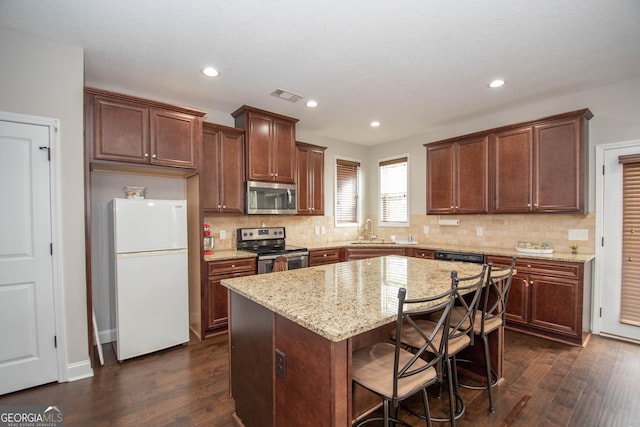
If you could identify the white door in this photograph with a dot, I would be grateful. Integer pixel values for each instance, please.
(28, 355)
(611, 259)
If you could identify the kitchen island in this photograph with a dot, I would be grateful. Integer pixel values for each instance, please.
(292, 334)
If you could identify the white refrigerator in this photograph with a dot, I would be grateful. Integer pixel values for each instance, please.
(149, 264)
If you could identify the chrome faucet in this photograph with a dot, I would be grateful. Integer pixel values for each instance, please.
(368, 228)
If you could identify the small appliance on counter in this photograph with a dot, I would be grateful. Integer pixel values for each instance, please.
(208, 240)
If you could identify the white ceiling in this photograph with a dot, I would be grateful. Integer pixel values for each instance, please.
(410, 64)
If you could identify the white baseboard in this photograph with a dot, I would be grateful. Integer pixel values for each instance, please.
(108, 335)
(79, 370)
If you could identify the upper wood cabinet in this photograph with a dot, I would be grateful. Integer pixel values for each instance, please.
(457, 176)
(543, 167)
(533, 167)
(222, 171)
(122, 128)
(270, 144)
(310, 180)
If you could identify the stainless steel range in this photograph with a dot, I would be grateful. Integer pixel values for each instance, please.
(269, 243)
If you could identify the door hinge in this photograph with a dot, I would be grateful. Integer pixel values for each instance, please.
(600, 311)
(51, 248)
(602, 169)
(48, 151)
(602, 242)
(55, 341)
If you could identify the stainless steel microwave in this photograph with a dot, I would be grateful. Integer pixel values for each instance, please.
(270, 198)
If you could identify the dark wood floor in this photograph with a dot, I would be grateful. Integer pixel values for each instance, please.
(546, 384)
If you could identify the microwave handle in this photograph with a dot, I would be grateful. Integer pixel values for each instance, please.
(289, 197)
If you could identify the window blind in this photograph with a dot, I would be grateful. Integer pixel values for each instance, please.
(630, 290)
(393, 190)
(347, 191)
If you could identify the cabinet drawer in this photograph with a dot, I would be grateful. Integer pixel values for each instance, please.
(231, 266)
(423, 253)
(324, 256)
(548, 268)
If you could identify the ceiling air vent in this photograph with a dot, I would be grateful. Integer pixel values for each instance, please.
(287, 96)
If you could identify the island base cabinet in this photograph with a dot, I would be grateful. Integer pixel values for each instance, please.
(283, 374)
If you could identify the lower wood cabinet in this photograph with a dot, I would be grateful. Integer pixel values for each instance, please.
(215, 309)
(549, 298)
(420, 253)
(361, 253)
(324, 256)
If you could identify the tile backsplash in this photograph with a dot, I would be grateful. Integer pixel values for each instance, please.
(496, 231)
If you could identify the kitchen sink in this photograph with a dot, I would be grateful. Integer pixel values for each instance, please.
(368, 242)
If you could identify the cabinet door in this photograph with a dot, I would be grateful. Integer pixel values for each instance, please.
(472, 176)
(559, 175)
(120, 131)
(518, 302)
(174, 139)
(259, 148)
(284, 143)
(232, 173)
(421, 253)
(512, 153)
(304, 184)
(440, 178)
(363, 253)
(217, 304)
(316, 160)
(555, 305)
(210, 171)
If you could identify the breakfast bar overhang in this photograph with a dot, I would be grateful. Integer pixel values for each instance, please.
(292, 334)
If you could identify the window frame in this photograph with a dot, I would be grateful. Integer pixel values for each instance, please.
(381, 162)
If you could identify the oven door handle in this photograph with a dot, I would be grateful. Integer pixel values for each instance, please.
(291, 257)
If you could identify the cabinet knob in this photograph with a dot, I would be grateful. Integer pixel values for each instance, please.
(531, 282)
(324, 255)
(154, 156)
(457, 207)
(224, 206)
(451, 206)
(233, 266)
(146, 155)
(218, 206)
(630, 259)
(528, 205)
(528, 265)
(535, 205)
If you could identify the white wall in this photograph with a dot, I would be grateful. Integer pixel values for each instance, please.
(43, 78)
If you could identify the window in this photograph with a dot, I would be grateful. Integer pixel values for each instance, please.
(630, 288)
(394, 204)
(347, 192)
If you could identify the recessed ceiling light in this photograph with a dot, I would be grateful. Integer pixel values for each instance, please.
(210, 72)
(375, 124)
(312, 104)
(496, 83)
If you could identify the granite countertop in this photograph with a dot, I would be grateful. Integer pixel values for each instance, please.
(555, 256)
(339, 301)
(229, 254)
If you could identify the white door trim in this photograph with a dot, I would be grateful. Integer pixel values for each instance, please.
(56, 228)
(598, 270)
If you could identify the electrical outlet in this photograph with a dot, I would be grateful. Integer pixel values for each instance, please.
(281, 365)
(223, 234)
(479, 231)
(323, 230)
(316, 230)
(578, 234)
(426, 229)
